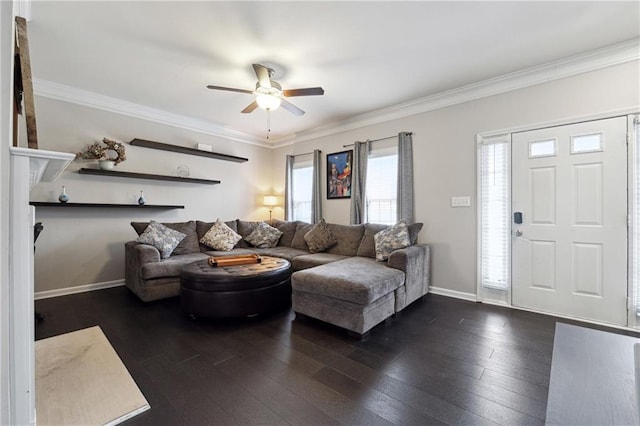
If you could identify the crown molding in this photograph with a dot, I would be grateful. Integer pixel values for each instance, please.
(578, 64)
(61, 92)
(574, 65)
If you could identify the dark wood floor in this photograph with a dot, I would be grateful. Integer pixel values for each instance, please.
(441, 361)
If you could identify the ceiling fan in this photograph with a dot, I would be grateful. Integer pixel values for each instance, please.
(269, 93)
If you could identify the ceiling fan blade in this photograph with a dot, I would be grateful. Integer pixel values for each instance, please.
(291, 107)
(309, 91)
(262, 73)
(229, 89)
(252, 106)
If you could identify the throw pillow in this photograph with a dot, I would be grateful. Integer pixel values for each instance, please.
(392, 238)
(188, 245)
(220, 237)
(264, 236)
(203, 227)
(245, 228)
(161, 237)
(319, 238)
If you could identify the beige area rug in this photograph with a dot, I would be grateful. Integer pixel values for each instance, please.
(80, 380)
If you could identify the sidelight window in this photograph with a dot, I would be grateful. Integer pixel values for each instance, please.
(495, 223)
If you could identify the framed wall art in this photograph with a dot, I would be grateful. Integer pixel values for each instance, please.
(339, 174)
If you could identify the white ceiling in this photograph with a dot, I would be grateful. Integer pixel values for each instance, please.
(366, 55)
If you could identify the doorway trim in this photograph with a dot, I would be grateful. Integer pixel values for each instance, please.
(503, 297)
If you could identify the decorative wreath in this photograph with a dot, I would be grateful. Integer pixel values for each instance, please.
(99, 152)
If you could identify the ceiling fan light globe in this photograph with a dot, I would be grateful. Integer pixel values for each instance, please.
(267, 102)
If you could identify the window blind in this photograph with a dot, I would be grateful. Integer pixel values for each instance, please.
(301, 185)
(495, 219)
(382, 183)
(635, 216)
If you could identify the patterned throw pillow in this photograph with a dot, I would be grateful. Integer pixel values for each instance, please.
(392, 238)
(161, 237)
(220, 237)
(264, 236)
(319, 238)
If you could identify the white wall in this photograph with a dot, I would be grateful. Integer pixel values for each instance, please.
(86, 245)
(444, 143)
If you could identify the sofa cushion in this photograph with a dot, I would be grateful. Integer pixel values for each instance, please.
(170, 267)
(414, 230)
(288, 253)
(235, 252)
(357, 280)
(367, 246)
(288, 230)
(392, 238)
(220, 237)
(264, 236)
(203, 227)
(298, 241)
(310, 260)
(190, 242)
(161, 237)
(348, 238)
(319, 238)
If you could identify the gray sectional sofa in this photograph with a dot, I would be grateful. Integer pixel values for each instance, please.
(343, 285)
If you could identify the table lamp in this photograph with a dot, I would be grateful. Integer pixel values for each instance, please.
(270, 201)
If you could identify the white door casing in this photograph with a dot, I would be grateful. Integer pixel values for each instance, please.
(569, 256)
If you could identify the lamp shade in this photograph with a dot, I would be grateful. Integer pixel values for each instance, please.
(270, 200)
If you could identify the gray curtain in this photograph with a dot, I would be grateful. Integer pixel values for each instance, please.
(359, 182)
(316, 190)
(288, 179)
(405, 209)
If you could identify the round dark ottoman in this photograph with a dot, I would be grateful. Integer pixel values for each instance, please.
(235, 291)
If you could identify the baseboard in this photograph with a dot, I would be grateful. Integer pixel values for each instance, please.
(472, 297)
(78, 289)
(571, 318)
(453, 293)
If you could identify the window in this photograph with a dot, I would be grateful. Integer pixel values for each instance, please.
(542, 148)
(495, 221)
(586, 143)
(382, 183)
(635, 216)
(301, 185)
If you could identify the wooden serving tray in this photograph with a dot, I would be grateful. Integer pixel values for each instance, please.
(245, 259)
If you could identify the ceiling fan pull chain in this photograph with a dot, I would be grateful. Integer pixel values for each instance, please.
(268, 124)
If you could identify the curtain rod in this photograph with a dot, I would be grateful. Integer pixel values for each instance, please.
(376, 140)
(304, 153)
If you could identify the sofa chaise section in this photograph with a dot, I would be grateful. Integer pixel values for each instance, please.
(358, 293)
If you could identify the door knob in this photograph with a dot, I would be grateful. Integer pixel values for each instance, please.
(518, 233)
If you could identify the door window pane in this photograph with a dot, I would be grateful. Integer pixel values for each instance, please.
(542, 148)
(586, 143)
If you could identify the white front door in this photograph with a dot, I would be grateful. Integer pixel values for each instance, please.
(569, 254)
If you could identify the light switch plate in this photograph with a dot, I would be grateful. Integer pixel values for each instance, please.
(461, 201)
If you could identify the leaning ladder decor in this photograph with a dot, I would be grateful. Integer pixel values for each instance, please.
(23, 86)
